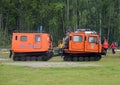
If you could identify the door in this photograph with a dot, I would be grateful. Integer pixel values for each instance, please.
(77, 43)
(92, 44)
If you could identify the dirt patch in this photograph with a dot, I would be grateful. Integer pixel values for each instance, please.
(50, 64)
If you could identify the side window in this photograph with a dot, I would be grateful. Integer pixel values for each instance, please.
(16, 37)
(77, 38)
(37, 38)
(23, 38)
(92, 39)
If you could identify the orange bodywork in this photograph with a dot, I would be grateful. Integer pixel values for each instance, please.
(31, 42)
(81, 42)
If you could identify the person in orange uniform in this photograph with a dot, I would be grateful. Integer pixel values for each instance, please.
(113, 46)
(105, 46)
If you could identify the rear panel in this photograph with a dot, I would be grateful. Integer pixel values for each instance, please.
(30, 42)
(77, 42)
(92, 43)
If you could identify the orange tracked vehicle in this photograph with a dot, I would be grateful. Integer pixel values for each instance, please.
(82, 45)
(31, 46)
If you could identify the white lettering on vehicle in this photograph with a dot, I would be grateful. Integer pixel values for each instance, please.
(29, 46)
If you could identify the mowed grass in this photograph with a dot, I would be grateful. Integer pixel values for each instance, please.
(108, 73)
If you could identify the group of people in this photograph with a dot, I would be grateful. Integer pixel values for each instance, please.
(106, 46)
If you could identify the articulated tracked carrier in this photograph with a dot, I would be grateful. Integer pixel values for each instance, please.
(82, 45)
(31, 46)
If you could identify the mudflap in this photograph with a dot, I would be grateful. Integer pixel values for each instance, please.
(10, 55)
(103, 52)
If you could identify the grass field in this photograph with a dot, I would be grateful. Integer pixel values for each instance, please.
(108, 73)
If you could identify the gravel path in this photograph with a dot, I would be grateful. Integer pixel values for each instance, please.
(47, 64)
(50, 64)
(4, 59)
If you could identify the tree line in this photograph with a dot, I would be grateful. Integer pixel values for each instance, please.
(58, 16)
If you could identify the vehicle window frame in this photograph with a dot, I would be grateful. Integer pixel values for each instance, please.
(36, 38)
(92, 41)
(80, 38)
(23, 38)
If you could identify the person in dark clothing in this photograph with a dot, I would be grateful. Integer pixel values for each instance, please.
(113, 46)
